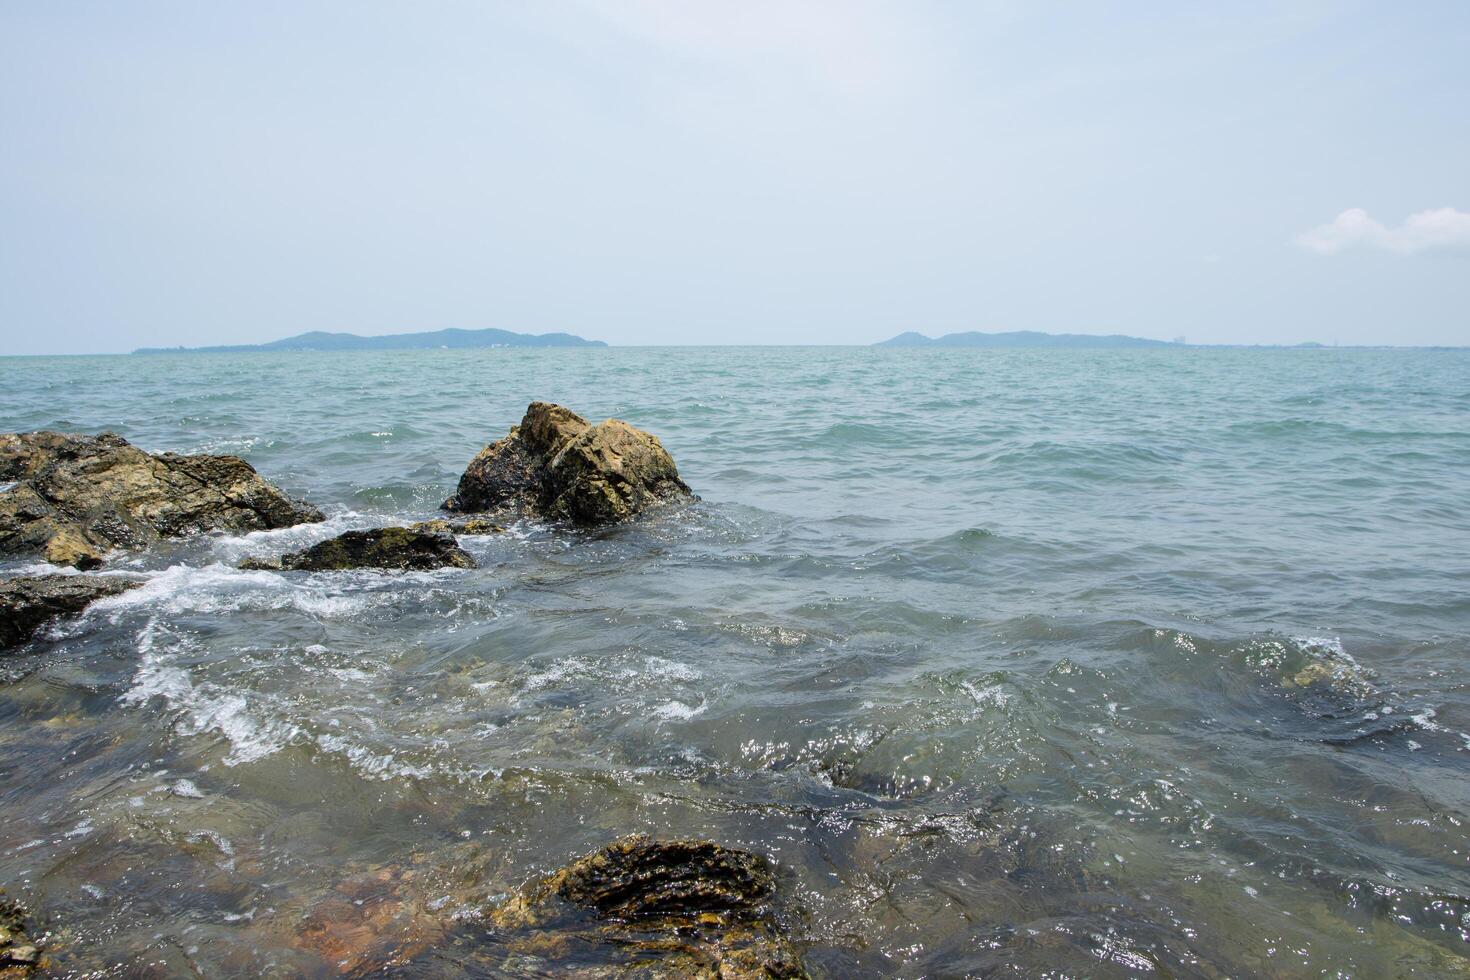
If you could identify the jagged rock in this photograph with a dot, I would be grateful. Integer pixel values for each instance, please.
(394, 548)
(28, 603)
(77, 496)
(662, 908)
(556, 464)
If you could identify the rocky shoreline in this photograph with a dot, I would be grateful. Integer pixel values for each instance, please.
(659, 909)
(71, 499)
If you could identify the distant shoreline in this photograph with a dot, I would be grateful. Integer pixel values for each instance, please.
(1305, 348)
(450, 339)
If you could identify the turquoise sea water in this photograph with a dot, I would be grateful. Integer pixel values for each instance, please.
(1020, 663)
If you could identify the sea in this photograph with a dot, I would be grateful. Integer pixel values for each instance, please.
(1035, 663)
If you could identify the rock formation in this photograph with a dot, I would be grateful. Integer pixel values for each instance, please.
(664, 908)
(557, 465)
(77, 496)
(28, 603)
(392, 548)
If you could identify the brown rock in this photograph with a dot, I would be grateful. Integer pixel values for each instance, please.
(28, 603)
(76, 496)
(668, 908)
(369, 924)
(557, 465)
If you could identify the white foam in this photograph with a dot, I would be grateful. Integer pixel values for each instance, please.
(991, 694)
(220, 842)
(1332, 645)
(198, 709)
(376, 765)
(219, 588)
(677, 711)
(233, 447)
(552, 675)
(671, 669)
(1425, 720)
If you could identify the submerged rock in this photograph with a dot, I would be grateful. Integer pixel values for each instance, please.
(28, 603)
(76, 496)
(662, 908)
(558, 465)
(369, 923)
(392, 548)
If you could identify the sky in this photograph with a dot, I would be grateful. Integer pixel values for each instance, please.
(701, 172)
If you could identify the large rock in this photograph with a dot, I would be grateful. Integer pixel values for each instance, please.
(27, 604)
(662, 908)
(393, 548)
(76, 497)
(559, 466)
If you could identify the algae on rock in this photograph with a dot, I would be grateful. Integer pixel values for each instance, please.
(685, 908)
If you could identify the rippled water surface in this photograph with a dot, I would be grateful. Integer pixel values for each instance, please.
(1020, 663)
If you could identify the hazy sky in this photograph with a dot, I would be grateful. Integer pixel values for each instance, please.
(766, 171)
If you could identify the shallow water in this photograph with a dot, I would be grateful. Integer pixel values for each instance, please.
(1033, 662)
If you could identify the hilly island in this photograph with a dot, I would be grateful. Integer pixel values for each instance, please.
(319, 340)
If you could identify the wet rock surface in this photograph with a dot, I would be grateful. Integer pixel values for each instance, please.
(30, 602)
(559, 466)
(391, 548)
(19, 954)
(75, 497)
(652, 908)
(471, 526)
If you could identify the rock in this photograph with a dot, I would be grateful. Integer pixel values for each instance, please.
(369, 924)
(28, 603)
(76, 497)
(396, 548)
(675, 908)
(557, 465)
(472, 526)
(18, 954)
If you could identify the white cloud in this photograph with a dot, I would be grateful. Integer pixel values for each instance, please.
(1435, 228)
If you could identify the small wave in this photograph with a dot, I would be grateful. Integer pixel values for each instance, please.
(182, 589)
(677, 711)
(861, 434)
(233, 446)
(203, 708)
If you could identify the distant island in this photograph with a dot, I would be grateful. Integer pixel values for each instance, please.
(1021, 338)
(452, 338)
